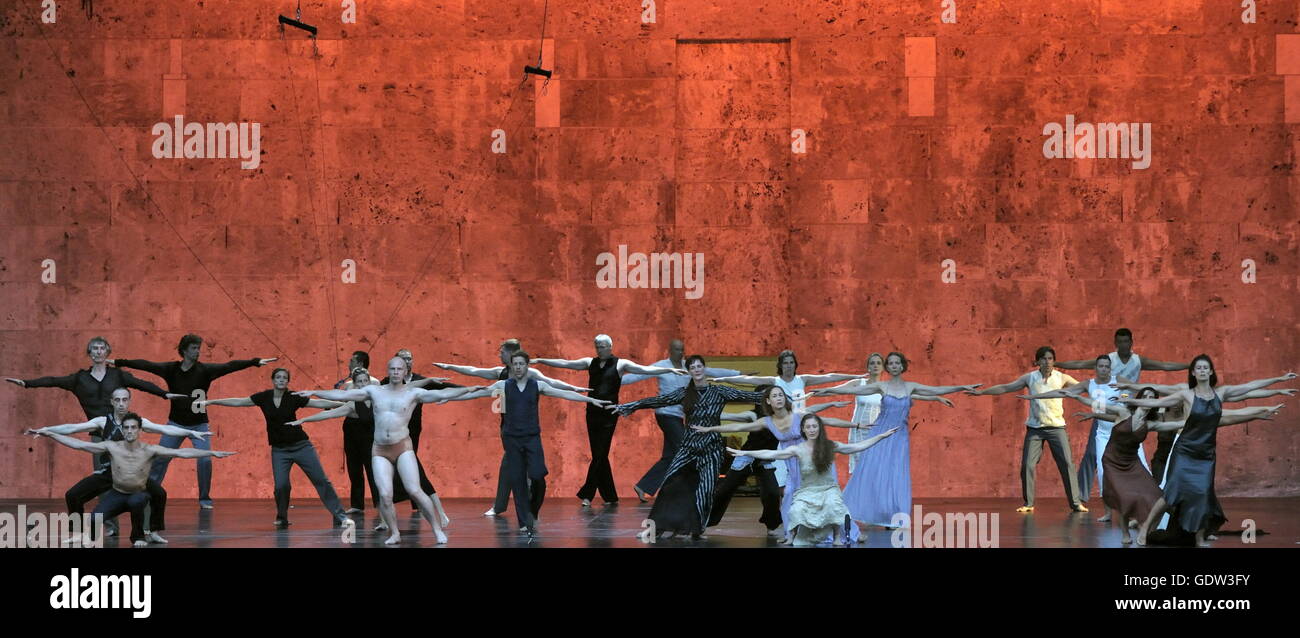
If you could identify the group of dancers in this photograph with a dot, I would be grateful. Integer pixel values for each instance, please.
(787, 449)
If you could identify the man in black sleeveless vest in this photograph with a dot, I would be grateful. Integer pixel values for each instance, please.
(521, 435)
(500, 373)
(604, 374)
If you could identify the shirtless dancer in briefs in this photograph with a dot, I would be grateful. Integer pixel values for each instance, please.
(393, 404)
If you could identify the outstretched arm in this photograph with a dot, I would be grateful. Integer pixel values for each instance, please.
(833, 422)
(76, 444)
(931, 397)
(1088, 416)
(236, 402)
(849, 387)
(534, 373)
(745, 379)
(187, 452)
(658, 401)
(446, 394)
(818, 407)
(546, 389)
(1160, 389)
(1168, 366)
(744, 426)
(144, 386)
(355, 394)
(73, 428)
(471, 371)
(738, 417)
(1078, 364)
(818, 379)
(1242, 415)
(920, 389)
(1169, 401)
(636, 368)
(345, 410)
(854, 448)
(764, 455)
(1264, 394)
(572, 364)
(222, 369)
(171, 430)
(1022, 382)
(1234, 392)
(68, 382)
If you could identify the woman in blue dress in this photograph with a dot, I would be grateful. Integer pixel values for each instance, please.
(881, 485)
(1189, 484)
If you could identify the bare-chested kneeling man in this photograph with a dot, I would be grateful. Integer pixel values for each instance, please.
(131, 461)
(393, 404)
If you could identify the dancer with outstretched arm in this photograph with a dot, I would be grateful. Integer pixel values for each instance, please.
(392, 450)
(130, 462)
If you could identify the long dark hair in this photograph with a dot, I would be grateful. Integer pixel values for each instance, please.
(692, 393)
(766, 408)
(823, 454)
(1191, 374)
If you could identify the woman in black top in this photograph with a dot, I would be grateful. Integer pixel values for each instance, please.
(289, 444)
(358, 435)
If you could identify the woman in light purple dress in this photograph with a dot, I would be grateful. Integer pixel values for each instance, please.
(881, 485)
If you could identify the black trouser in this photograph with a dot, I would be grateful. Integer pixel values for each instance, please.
(113, 502)
(502, 499)
(1056, 439)
(673, 430)
(768, 492)
(525, 465)
(356, 454)
(302, 454)
(600, 477)
(96, 484)
(1164, 445)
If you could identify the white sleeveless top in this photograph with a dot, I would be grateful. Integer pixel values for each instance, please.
(1131, 370)
(794, 391)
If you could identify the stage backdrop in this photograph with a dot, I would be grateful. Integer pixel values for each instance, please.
(856, 176)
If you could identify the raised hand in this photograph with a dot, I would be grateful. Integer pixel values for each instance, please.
(889, 433)
(222, 455)
(1287, 391)
(296, 423)
(262, 362)
(1083, 416)
(735, 452)
(700, 428)
(307, 394)
(971, 386)
(173, 395)
(838, 404)
(601, 403)
(974, 393)
(945, 401)
(199, 436)
(18, 382)
(112, 363)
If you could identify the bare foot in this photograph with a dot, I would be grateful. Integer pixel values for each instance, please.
(381, 526)
(139, 544)
(442, 538)
(1025, 509)
(1125, 540)
(1104, 519)
(1142, 536)
(1079, 507)
(153, 537)
(1211, 537)
(394, 539)
(443, 520)
(775, 533)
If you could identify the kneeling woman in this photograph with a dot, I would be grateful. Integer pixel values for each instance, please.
(289, 444)
(818, 507)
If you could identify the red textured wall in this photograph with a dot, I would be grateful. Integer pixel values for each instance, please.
(663, 137)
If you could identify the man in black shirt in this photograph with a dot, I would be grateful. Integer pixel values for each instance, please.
(190, 380)
(604, 376)
(94, 386)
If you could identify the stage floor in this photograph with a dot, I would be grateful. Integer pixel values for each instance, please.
(564, 523)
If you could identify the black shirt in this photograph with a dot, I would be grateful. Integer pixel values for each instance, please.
(199, 377)
(604, 380)
(96, 397)
(277, 433)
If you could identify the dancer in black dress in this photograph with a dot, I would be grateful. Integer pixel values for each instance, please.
(686, 497)
(1189, 487)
